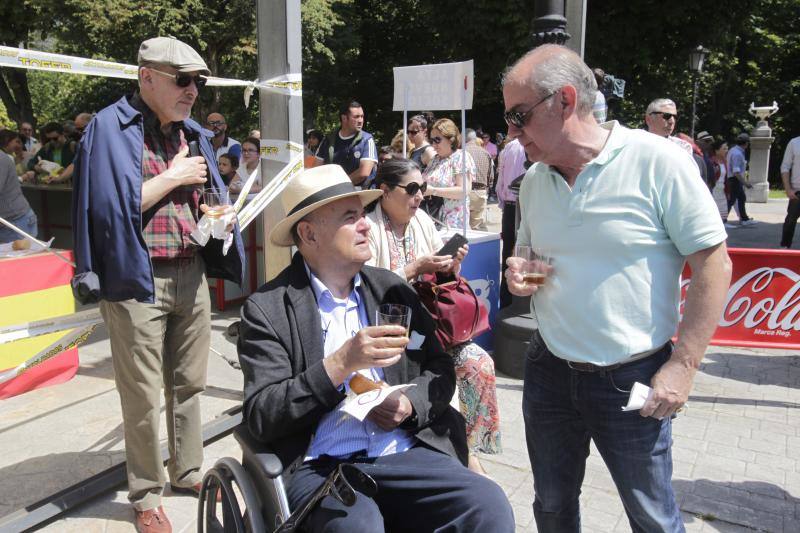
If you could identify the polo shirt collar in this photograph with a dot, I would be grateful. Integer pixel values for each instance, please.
(614, 143)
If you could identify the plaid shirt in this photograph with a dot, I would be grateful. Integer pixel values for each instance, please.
(483, 163)
(167, 226)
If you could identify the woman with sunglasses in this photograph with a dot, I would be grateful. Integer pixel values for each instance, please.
(417, 130)
(251, 162)
(445, 175)
(404, 239)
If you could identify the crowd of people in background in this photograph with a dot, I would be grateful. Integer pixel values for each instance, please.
(435, 147)
(722, 164)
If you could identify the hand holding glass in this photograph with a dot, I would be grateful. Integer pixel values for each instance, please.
(218, 203)
(536, 264)
(393, 315)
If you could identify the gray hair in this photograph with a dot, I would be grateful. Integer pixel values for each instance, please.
(471, 135)
(559, 68)
(658, 103)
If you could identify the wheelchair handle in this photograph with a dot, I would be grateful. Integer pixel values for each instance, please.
(342, 483)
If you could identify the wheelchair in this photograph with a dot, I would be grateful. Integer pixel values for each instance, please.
(261, 490)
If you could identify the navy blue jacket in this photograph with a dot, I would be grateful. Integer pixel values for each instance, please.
(112, 259)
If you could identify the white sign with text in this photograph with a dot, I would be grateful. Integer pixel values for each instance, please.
(441, 87)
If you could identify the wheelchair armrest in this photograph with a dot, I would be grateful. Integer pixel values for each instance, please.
(258, 453)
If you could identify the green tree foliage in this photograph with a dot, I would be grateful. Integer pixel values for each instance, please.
(755, 57)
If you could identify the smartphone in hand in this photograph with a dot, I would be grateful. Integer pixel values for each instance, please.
(451, 247)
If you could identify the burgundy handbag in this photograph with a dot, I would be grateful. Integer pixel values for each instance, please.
(457, 311)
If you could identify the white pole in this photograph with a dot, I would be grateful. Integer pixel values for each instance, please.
(464, 153)
(405, 121)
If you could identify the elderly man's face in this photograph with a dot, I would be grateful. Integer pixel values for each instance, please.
(662, 120)
(216, 123)
(26, 129)
(340, 233)
(166, 98)
(540, 134)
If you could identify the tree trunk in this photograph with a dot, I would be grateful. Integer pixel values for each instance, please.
(16, 96)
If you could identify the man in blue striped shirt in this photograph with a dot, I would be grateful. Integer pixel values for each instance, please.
(304, 336)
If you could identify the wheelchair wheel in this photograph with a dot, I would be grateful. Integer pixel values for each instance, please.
(227, 516)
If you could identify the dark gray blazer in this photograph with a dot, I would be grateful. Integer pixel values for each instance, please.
(286, 387)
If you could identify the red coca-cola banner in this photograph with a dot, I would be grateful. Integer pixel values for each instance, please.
(762, 308)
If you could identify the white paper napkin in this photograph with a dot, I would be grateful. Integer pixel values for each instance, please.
(639, 395)
(359, 405)
(214, 227)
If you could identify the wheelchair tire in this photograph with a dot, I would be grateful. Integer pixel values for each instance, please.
(225, 473)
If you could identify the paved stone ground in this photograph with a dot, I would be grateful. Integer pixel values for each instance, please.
(736, 449)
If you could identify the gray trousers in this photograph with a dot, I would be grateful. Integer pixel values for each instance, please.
(164, 342)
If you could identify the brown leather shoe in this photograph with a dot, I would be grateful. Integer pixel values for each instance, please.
(153, 521)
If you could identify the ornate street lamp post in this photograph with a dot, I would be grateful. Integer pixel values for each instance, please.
(549, 23)
(696, 59)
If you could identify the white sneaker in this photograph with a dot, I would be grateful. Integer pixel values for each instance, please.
(730, 226)
(749, 222)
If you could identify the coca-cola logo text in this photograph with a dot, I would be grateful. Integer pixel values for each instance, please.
(754, 302)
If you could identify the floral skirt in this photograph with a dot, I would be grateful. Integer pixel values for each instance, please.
(478, 397)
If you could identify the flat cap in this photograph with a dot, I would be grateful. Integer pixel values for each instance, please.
(743, 138)
(170, 51)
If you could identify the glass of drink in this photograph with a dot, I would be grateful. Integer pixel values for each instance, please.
(393, 315)
(218, 203)
(536, 263)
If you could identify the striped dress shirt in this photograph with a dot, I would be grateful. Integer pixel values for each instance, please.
(339, 434)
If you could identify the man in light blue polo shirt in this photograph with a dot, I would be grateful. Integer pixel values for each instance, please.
(620, 211)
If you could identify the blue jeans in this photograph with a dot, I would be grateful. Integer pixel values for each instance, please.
(418, 490)
(26, 223)
(565, 408)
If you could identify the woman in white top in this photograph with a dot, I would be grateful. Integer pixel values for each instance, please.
(250, 162)
(445, 175)
(404, 239)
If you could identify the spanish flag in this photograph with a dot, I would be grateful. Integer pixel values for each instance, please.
(33, 288)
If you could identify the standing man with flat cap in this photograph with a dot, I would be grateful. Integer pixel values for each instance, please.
(137, 199)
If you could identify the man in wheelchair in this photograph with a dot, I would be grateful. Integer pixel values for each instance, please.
(303, 337)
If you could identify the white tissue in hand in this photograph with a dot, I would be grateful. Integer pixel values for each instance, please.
(639, 395)
(214, 227)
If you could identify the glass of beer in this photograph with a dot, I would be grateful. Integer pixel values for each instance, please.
(393, 315)
(536, 263)
(217, 202)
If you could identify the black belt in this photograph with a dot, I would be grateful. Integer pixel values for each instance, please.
(589, 367)
(478, 187)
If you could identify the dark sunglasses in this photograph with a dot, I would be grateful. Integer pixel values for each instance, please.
(664, 115)
(519, 119)
(413, 188)
(436, 140)
(412, 132)
(183, 80)
(53, 139)
(215, 122)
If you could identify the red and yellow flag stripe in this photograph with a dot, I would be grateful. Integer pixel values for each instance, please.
(35, 287)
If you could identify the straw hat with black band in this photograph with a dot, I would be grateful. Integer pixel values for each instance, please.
(310, 190)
